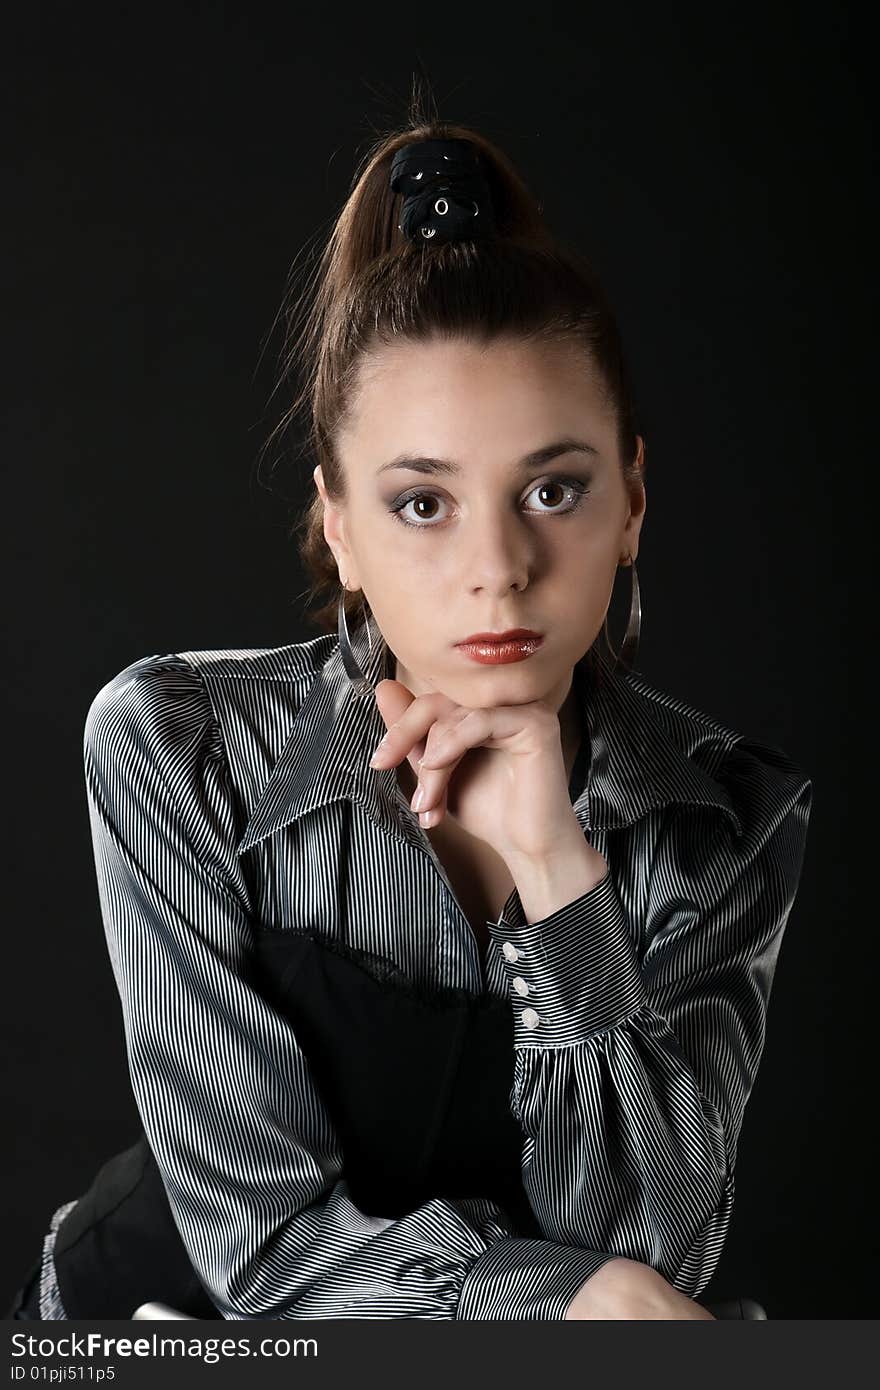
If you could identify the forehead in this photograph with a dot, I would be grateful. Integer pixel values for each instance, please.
(456, 395)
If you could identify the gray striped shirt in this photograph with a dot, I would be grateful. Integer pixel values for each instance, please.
(218, 784)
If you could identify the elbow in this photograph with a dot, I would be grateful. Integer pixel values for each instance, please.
(692, 1268)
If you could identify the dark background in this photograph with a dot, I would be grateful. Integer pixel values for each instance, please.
(163, 169)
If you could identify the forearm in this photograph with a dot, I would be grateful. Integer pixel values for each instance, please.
(551, 881)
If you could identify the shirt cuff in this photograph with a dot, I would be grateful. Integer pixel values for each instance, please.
(531, 1280)
(571, 974)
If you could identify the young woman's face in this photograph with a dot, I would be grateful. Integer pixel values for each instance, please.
(492, 540)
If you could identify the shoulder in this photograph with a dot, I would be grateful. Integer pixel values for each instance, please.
(150, 692)
(293, 665)
(701, 737)
(178, 697)
(759, 781)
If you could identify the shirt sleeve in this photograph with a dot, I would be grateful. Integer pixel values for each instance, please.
(249, 1160)
(638, 1034)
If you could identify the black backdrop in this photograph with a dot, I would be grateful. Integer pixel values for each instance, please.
(163, 168)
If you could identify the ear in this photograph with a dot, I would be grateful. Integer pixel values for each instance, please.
(334, 534)
(318, 475)
(637, 502)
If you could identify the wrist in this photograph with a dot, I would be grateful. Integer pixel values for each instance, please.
(550, 880)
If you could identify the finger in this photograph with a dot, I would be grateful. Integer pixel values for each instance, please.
(498, 726)
(449, 740)
(410, 727)
(437, 750)
(393, 699)
(432, 784)
(433, 775)
(435, 814)
(438, 761)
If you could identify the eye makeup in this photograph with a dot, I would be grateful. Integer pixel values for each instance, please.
(577, 487)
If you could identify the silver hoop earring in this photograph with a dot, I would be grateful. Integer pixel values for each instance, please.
(359, 682)
(626, 658)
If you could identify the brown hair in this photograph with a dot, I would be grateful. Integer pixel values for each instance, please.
(371, 284)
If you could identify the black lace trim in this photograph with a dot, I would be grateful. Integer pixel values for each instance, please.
(391, 979)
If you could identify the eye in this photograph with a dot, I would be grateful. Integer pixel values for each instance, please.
(576, 487)
(397, 507)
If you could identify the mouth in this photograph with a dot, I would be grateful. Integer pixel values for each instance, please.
(509, 635)
(498, 648)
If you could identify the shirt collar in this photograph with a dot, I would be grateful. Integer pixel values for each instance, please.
(643, 745)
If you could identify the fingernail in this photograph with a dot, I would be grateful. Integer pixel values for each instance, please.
(418, 797)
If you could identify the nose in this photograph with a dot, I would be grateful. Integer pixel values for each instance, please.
(499, 554)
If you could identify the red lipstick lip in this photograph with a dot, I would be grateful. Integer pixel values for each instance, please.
(511, 635)
(501, 648)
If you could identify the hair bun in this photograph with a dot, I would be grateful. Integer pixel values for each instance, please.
(445, 193)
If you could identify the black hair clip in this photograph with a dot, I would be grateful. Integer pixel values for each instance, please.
(445, 193)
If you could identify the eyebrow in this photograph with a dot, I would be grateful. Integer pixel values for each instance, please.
(421, 464)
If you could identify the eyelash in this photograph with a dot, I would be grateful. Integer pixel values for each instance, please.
(575, 485)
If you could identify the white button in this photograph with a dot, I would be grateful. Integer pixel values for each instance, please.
(520, 985)
(510, 951)
(530, 1018)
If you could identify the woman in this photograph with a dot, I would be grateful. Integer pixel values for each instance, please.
(485, 1053)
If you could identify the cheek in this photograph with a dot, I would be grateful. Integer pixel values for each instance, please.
(585, 559)
(588, 577)
(417, 566)
(598, 553)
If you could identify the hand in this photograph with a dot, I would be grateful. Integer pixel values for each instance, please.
(626, 1290)
(510, 787)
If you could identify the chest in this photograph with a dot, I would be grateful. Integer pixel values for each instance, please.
(480, 879)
